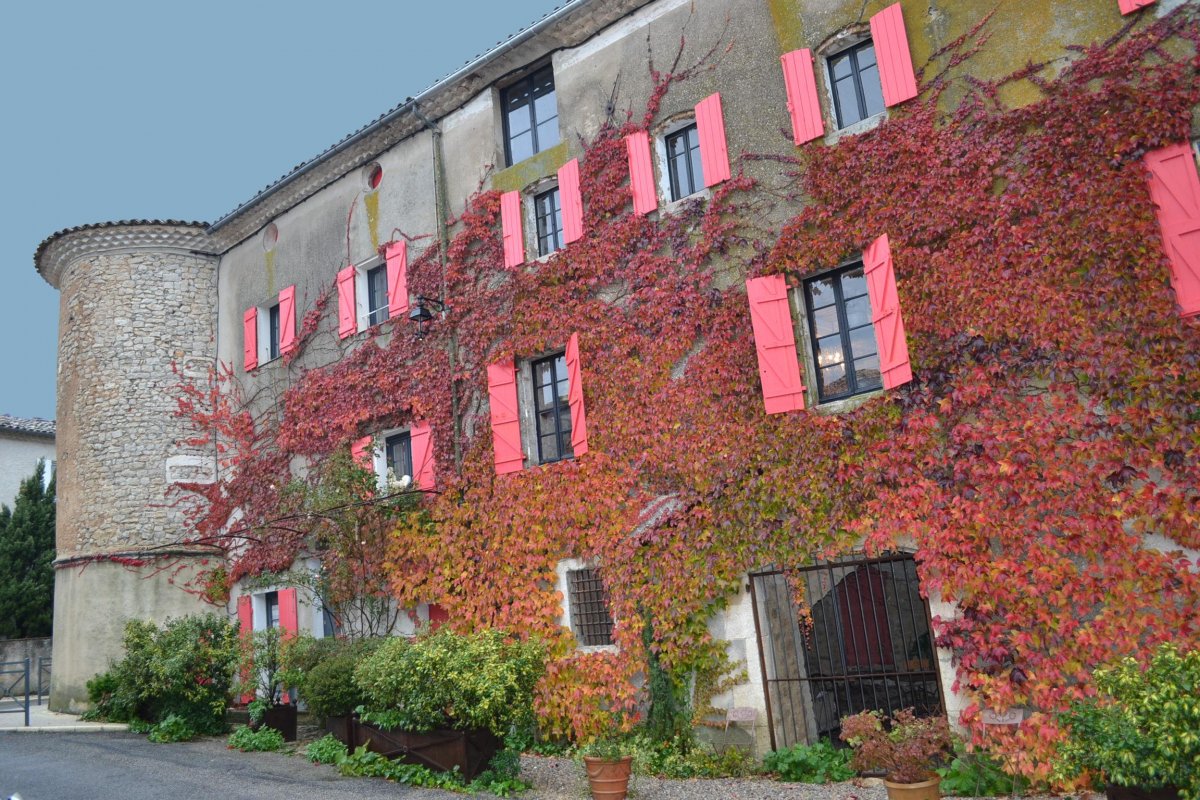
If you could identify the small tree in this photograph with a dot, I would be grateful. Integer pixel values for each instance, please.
(26, 557)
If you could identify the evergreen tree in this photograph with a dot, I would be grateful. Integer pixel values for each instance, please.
(26, 556)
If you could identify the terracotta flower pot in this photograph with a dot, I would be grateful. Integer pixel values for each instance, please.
(925, 790)
(608, 779)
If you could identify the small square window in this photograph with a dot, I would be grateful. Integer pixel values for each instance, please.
(552, 412)
(530, 116)
(398, 455)
(547, 211)
(377, 299)
(854, 77)
(842, 333)
(273, 335)
(590, 615)
(684, 169)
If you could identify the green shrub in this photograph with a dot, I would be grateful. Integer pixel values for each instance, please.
(447, 680)
(263, 740)
(326, 750)
(183, 669)
(500, 780)
(323, 672)
(976, 774)
(1142, 729)
(810, 763)
(679, 757)
(173, 728)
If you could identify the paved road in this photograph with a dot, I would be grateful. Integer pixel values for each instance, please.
(122, 766)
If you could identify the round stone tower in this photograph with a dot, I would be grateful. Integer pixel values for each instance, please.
(137, 298)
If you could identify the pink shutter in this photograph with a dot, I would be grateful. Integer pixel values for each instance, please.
(361, 453)
(396, 256)
(420, 438)
(775, 341)
(892, 55)
(803, 105)
(885, 313)
(579, 443)
(506, 421)
(287, 320)
(1130, 6)
(250, 339)
(641, 173)
(347, 308)
(510, 223)
(289, 611)
(571, 201)
(245, 614)
(710, 125)
(1175, 190)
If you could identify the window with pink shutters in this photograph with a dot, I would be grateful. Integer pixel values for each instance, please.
(1130, 6)
(714, 155)
(347, 308)
(803, 106)
(892, 53)
(506, 420)
(775, 343)
(571, 201)
(510, 224)
(423, 463)
(885, 308)
(579, 443)
(287, 320)
(396, 256)
(1175, 191)
(360, 451)
(289, 611)
(250, 339)
(641, 173)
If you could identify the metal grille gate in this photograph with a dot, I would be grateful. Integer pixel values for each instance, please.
(840, 637)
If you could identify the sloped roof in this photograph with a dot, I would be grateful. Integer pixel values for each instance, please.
(28, 427)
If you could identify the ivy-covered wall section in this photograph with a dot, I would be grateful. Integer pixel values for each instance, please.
(1051, 426)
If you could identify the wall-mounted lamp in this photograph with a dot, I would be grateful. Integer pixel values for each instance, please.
(421, 314)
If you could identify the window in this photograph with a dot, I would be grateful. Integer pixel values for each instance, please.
(272, 600)
(854, 76)
(552, 414)
(590, 616)
(547, 210)
(377, 299)
(398, 455)
(684, 169)
(530, 116)
(273, 328)
(843, 336)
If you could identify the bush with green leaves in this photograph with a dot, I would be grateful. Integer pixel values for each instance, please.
(481, 680)
(326, 750)
(322, 670)
(810, 763)
(977, 774)
(184, 669)
(1144, 727)
(173, 728)
(501, 779)
(263, 740)
(681, 756)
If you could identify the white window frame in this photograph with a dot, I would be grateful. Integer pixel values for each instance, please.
(379, 455)
(262, 321)
(362, 311)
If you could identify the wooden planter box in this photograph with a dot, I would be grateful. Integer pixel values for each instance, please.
(280, 717)
(440, 749)
(342, 728)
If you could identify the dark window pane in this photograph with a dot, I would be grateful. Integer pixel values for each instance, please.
(377, 304)
(521, 147)
(866, 371)
(683, 162)
(820, 292)
(399, 455)
(829, 350)
(273, 316)
(825, 321)
(839, 66)
(854, 282)
(843, 336)
(865, 55)
(590, 615)
(549, 222)
(531, 116)
(833, 379)
(697, 168)
(858, 312)
(862, 342)
(872, 91)
(553, 417)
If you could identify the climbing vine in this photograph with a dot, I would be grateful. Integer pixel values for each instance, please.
(1050, 428)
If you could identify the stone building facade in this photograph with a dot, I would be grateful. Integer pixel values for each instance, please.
(140, 297)
(24, 443)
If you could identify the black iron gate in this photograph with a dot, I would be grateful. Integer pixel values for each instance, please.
(839, 637)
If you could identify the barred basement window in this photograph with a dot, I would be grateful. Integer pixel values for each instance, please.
(590, 616)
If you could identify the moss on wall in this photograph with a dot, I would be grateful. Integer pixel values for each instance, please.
(521, 174)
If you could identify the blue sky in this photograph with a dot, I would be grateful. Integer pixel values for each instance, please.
(164, 110)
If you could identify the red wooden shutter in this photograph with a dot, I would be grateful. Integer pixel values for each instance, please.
(396, 256)
(892, 55)
(245, 613)
(360, 451)
(289, 611)
(347, 308)
(571, 200)
(803, 105)
(510, 224)
(579, 443)
(641, 173)
(710, 125)
(1175, 190)
(775, 341)
(885, 313)
(420, 438)
(250, 339)
(287, 320)
(1130, 6)
(437, 616)
(506, 421)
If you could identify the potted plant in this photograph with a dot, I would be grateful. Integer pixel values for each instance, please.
(273, 705)
(608, 764)
(1140, 734)
(905, 747)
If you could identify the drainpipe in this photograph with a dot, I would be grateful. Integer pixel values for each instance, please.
(442, 210)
